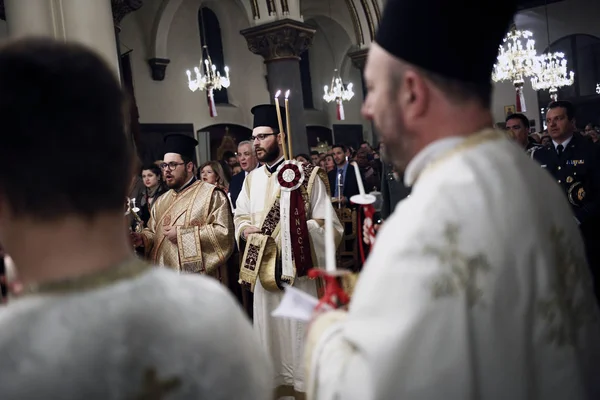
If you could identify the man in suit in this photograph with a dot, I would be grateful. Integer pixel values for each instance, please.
(575, 164)
(247, 160)
(344, 170)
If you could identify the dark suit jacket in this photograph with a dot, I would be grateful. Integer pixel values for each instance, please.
(579, 163)
(392, 191)
(350, 186)
(235, 186)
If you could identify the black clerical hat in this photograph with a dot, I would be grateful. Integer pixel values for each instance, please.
(266, 115)
(456, 39)
(181, 144)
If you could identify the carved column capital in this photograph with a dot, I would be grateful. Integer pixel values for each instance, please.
(359, 58)
(279, 40)
(120, 8)
(158, 66)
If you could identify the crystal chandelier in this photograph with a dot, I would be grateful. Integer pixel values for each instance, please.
(339, 93)
(598, 88)
(207, 78)
(552, 74)
(516, 61)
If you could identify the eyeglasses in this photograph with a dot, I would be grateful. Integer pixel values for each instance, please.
(171, 166)
(262, 136)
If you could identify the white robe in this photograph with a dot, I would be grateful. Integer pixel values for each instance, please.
(476, 288)
(116, 341)
(282, 338)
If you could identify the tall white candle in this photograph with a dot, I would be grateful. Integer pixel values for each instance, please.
(361, 188)
(329, 242)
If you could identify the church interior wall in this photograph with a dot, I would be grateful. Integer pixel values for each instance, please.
(170, 100)
(566, 18)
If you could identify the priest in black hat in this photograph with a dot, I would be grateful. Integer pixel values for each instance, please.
(467, 294)
(191, 226)
(281, 236)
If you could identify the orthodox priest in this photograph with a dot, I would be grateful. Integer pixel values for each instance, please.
(468, 293)
(279, 225)
(190, 227)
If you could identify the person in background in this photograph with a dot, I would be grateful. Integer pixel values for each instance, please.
(304, 158)
(95, 322)
(211, 172)
(517, 125)
(315, 157)
(329, 163)
(236, 169)
(155, 186)
(248, 162)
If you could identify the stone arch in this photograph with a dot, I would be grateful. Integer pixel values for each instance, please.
(164, 18)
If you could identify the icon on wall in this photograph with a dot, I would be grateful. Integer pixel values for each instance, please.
(509, 110)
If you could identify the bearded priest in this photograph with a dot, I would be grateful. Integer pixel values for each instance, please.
(190, 227)
(279, 225)
(477, 286)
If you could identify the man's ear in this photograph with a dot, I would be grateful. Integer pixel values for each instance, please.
(189, 167)
(281, 138)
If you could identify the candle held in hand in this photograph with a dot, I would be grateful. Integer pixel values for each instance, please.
(329, 241)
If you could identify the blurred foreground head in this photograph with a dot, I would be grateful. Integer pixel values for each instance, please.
(428, 74)
(62, 138)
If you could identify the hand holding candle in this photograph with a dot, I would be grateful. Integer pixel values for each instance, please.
(363, 197)
(329, 241)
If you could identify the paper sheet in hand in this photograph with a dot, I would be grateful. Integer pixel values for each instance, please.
(296, 304)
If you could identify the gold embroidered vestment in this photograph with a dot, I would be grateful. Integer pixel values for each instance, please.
(202, 216)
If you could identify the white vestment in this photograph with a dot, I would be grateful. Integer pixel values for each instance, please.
(283, 339)
(157, 332)
(476, 288)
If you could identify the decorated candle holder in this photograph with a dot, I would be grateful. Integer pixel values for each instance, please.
(366, 201)
(334, 295)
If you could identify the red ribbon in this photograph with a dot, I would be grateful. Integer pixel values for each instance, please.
(369, 211)
(299, 234)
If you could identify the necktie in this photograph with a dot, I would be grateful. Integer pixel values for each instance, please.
(559, 149)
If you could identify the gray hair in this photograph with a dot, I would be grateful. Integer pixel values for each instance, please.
(246, 142)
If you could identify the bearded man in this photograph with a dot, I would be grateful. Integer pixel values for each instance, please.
(467, 293)
(190, 227)
(261, 225)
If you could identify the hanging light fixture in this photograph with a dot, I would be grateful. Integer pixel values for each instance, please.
(338, 92)
(516, 61)
(598, 88)
(206, 76)
(552, 74)
(552, 71)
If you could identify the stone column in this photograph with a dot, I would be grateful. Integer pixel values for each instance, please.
(359, 59)
(89, 22)
(281, 43)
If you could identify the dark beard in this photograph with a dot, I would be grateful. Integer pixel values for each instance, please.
(271, 155)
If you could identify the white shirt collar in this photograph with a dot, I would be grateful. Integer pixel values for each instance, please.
(565, 143)
(428, 155)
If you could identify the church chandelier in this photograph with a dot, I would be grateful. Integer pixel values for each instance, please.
(552, 74)
(516, 61)
(206, 77)
(598, 88)
(338, 92)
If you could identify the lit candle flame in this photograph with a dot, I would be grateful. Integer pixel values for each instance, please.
(287, 94)
(277, 94)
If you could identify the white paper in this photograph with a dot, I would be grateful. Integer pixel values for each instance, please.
(296, 305)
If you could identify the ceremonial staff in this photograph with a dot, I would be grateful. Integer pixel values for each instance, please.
(280, 123)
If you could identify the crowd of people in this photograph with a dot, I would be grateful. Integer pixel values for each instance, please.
(479, 285)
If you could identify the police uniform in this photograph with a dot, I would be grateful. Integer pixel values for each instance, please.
(577, 171)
